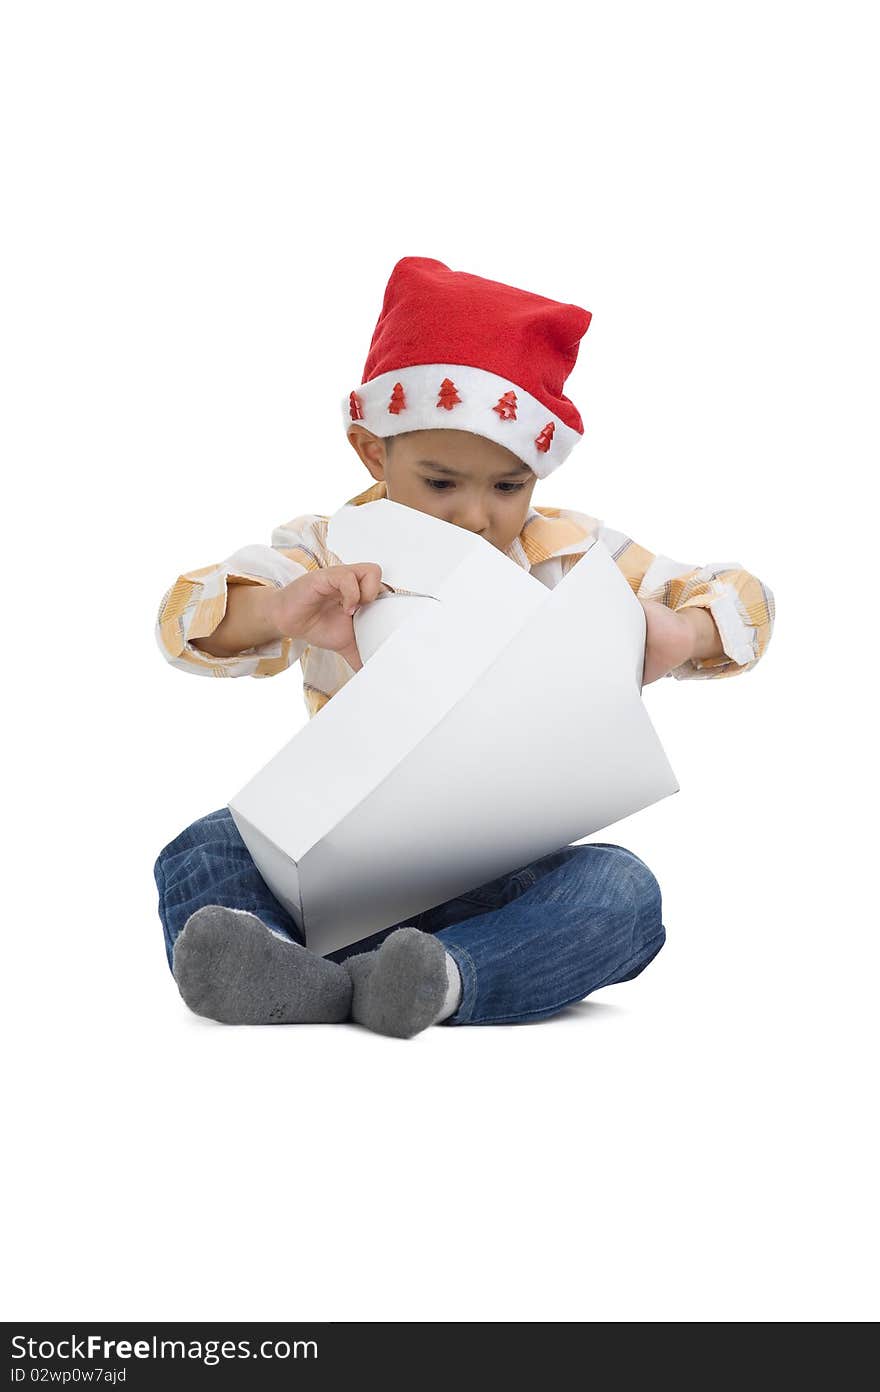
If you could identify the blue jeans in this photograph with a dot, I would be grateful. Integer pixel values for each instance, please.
(526, 944)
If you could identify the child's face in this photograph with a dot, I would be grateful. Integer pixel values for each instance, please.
(456, 476)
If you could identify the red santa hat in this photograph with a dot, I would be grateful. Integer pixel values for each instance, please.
(455, 351)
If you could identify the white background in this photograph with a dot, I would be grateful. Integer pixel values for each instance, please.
(203, 203)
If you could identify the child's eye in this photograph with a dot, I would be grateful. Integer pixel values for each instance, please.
(440, 486)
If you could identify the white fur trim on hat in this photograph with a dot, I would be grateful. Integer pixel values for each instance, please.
(520, 423)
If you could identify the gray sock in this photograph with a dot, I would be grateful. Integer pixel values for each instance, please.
(401, 987)
(229, 966)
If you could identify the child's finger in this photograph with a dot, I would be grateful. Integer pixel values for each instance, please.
(371, 585)
(343, 584)
(350, 590)
(370, 576)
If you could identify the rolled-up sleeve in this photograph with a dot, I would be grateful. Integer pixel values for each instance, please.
(195, 605)
(742, 606)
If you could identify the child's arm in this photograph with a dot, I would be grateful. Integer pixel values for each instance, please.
(730, 611)
(725, 614)
(248, 622)
(201, 601)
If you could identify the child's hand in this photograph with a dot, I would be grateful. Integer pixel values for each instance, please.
(320, 606)
(670, 640)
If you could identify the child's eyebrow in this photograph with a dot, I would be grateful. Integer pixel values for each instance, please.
(445, 469)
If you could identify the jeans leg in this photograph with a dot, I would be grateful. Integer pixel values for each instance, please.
(583, 917)
(208, 863)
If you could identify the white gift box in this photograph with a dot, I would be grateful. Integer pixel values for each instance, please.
(494, 720)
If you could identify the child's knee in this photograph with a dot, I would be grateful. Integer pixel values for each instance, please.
(647, 884)
(632, 889)
(646, 950)
(214, 826)
(648, 902)
(649, 934)
(640, 877)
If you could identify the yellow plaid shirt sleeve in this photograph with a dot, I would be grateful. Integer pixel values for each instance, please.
(195, 604)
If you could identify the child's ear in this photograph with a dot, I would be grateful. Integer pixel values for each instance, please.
(376, 471)
(370, 450)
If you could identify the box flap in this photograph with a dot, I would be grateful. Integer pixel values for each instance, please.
(416, 551)
(415, 678)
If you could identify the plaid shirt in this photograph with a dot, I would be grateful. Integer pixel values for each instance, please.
(550, 543)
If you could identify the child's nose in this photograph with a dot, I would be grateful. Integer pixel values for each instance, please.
(473, 519)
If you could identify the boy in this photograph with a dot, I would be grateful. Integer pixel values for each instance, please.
(459, 413)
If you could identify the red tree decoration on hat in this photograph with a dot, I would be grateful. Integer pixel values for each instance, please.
(354, 406)
(398, 401)
(449, 397)
(506, 406)
(543, 440)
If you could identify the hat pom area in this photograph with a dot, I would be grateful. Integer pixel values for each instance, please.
(456, 351)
